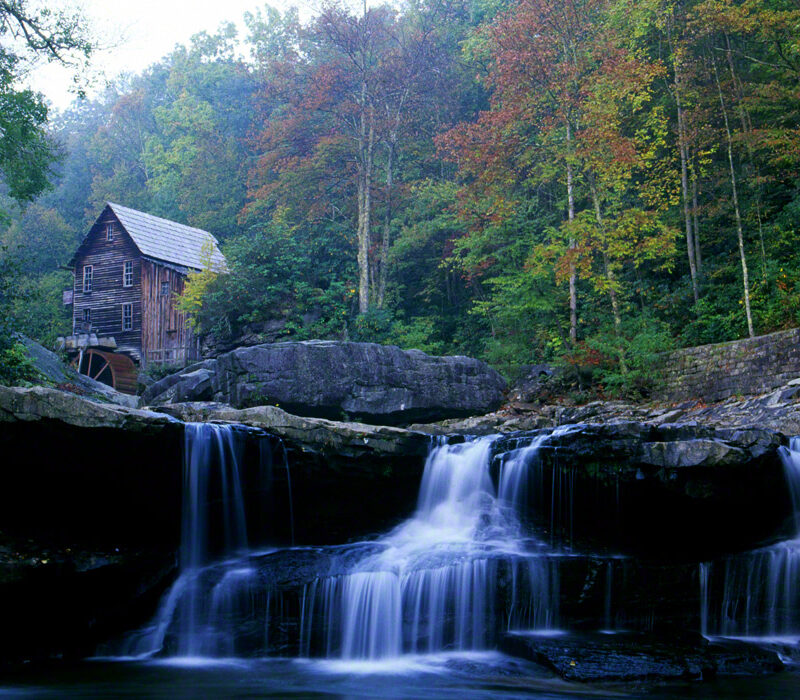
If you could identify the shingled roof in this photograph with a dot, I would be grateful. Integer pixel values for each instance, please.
(162, 239)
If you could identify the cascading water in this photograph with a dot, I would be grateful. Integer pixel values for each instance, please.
(200, 615)
(432, 585)
(760, 590)
(460, 572)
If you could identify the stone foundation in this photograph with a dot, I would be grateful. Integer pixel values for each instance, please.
(741, 367)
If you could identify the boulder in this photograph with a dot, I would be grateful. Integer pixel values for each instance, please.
(54, 370)
(339, 380)
(36, 404)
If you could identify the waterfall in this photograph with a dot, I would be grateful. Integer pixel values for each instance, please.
(703, 574)
(534, 594)
(216, 589)
(608, 597)
(523, 487)
(760, 590)
(433, 585)
(461, 569)
(791, 468)
(514, 474)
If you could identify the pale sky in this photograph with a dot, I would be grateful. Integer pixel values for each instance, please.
(140, 32)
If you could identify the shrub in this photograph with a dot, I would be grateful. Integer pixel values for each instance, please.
(15, 365)
(159, 370)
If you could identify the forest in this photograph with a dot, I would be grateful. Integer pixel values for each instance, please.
(582, 182)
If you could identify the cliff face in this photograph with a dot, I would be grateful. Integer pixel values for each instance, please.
(90, 505)
(112, 474)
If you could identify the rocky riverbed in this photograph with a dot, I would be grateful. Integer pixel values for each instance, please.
(630, 498)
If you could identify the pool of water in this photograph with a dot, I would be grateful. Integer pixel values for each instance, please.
(465, 676)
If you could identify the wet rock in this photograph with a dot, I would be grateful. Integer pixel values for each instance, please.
(64, 605)
(588, 657)
(318, 434)
(733, 657)
(668, 446)
(54, 370)
(35, 404)
(691, 453)
(331, 379)
(777, 411)
(620, 485)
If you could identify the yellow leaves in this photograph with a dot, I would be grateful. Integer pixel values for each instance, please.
(190, 301)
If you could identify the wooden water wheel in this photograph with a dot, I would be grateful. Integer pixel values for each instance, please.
(114, 369)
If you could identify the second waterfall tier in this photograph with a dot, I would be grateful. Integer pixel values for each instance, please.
(482, 554)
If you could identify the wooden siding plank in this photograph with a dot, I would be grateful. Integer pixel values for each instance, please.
(157, 324)
(108, 294)
(164, 327)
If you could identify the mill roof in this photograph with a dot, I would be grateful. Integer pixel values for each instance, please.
(168, 241)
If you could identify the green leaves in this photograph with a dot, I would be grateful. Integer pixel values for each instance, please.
(26, 151)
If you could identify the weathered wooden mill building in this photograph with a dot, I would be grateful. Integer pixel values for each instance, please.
(127, 272)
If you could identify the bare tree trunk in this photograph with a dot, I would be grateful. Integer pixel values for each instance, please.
(698, 258)
(612, 292)
(573, 294)
(682, 147)
(387, 224)
(387, 221)
(740, 233)
(744, 121)
(368, 188)
(363, 253)
(363, 218)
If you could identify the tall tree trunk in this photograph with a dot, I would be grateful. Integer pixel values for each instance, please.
(682, 148)
(609, 273)
(387, 220)
(363, 251)
(735, 193)
(363, 206)
(368, 187)
(745, 123)
(698, 258)
(569, 54)
(383, 267)
(573, 294)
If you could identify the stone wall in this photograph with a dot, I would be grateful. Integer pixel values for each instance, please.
(741, 367)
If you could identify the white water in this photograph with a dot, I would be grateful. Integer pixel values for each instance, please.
(432, 587)
(201, 610)
(514, 475)
(703, 573)
(760, 589)
(432, 584)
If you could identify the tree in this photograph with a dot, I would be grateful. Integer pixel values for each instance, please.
(570, 109)
(27, 153)
(347, 105)
(540, 54)
(195, 156)
(28, 34)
